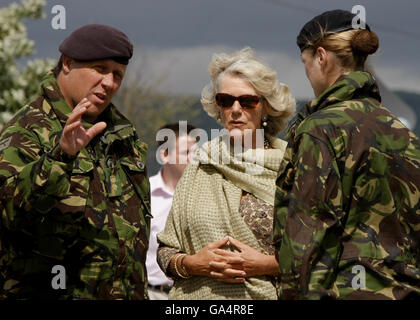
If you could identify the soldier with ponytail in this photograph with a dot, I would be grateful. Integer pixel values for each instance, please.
(347, 209)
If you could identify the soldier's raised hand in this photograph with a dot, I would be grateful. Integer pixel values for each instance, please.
(75, 137)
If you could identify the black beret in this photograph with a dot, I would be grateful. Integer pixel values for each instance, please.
(330, 21)
(96, 42)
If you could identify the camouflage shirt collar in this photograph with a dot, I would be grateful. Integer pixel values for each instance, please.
(52, 93)
(118, 127)
(351, 85)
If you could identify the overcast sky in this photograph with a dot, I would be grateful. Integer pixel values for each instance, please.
(175, 39)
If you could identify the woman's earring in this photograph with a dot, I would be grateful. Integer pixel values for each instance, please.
(264, 120)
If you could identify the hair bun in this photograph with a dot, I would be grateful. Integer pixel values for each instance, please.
(365, 42)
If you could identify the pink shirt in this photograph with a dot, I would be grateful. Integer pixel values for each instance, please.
(161, 202)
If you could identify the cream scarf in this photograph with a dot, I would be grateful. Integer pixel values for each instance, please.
(205, 208)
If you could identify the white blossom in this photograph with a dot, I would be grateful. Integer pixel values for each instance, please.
(19, 85)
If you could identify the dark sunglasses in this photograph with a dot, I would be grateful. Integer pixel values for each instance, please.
(247, 101)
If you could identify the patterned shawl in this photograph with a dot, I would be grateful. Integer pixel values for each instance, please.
(206, 208)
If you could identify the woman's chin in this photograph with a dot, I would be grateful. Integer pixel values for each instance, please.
(236, 133)
(242, 138)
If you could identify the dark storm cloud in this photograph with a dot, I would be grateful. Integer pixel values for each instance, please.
(266, 25)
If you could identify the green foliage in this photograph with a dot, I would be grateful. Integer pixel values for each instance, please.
(18, 86)
(149, 109)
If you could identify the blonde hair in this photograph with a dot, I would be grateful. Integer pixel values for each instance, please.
(280, 104)
(351, 47)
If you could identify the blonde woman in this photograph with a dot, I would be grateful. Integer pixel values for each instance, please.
(217, 240)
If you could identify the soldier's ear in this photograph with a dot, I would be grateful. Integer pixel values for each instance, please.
(67, 64)
(321, 56)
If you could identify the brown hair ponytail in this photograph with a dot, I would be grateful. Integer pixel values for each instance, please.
(364, 42)
(351, 47)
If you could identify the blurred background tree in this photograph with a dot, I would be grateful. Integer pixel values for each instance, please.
(19, 84)
(141, 101)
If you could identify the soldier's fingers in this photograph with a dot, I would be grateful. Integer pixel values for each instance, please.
(96, 129)
(76, 114)
(78, 111)
(70, 127)
(81, 142)
(84, 103)
(68, 131)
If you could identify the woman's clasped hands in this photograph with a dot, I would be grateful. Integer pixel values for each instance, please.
(228, 266)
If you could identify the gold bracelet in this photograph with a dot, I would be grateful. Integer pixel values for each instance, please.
(183, 267)
(176, 268)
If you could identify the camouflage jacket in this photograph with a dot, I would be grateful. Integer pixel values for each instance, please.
(347, 210)
(89, 213)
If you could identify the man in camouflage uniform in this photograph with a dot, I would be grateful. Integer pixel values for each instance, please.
(347, 219)
(73, 185)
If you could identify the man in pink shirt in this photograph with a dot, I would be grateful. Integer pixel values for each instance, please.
(174, 159)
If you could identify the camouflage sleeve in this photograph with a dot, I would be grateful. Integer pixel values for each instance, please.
(32, 176)
(307, 216)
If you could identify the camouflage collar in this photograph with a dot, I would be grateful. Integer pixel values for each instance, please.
(351, 85)
(118, 127)
(52, 93)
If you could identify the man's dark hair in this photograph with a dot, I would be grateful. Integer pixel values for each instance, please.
(175, 128)
(57, 69)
